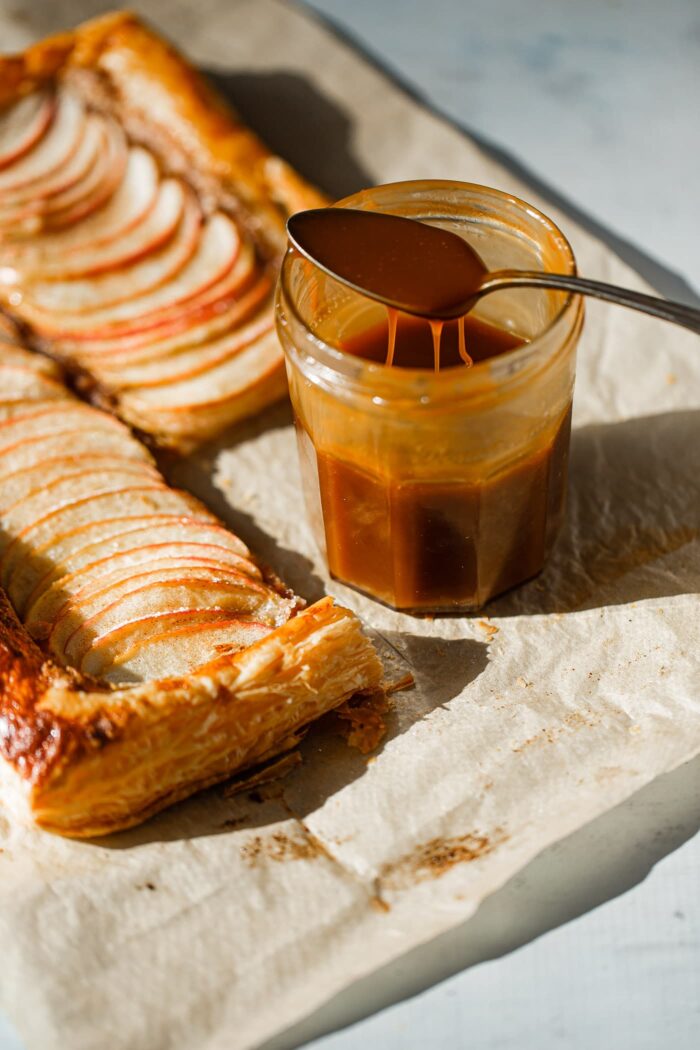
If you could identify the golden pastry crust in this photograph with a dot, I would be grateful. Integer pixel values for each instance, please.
(84, 757)
(89, 760)
(125, 74)
(163, 101)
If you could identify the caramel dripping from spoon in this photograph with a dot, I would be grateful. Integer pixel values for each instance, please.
(436, 329)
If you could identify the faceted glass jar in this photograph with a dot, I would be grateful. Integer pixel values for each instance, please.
(434, 492)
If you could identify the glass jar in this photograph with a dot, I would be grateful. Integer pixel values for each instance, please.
(436, 491)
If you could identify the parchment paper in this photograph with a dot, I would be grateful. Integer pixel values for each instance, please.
(227, 919)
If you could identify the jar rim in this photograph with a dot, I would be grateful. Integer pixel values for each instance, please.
(407, 382)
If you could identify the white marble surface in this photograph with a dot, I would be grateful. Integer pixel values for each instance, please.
(597, 943)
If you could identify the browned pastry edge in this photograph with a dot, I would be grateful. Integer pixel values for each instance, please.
(120, 64)
(89, 759)
(85, 759)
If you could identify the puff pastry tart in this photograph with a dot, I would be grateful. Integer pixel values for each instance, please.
(141, 227)
(144, 653)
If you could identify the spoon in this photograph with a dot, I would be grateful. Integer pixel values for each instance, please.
(424, 270)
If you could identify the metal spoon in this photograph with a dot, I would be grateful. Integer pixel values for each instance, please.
(425, 270)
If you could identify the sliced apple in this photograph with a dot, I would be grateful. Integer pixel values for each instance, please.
(12, 410)
(217, 251)
(15, 354)
(104, 571)
(188, 365)
(97, 293)
(73, 445)
(40, 196)
(114, 356)
(41, 508)
(23, 123)
(150, 235)
(53, 152)
(99, 184)
(21, 383)
(132, 200)
(127, 534)
(72, 532)
(212, 399)
(54, 417)
(64, 480)
(133, 550)
(80, 587)
(167, 590)
(8, 331)
(171, 652)
(86, 195)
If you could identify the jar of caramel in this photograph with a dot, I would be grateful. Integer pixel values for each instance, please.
(433, 484)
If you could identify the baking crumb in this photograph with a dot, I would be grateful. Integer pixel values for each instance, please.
(407, 682)
(490, 628)
(379, 904)
(671, 378)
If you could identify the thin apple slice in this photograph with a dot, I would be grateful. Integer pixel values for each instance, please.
(23, 383)
(148, 236)
(39, 196)
(98, 186)
(189, 364)
(33, 452)
(97, 293)
(52, 152)
(215, 398)
(79, 200)
(54, 417)
(135, 534)
(80, 588)
(46, 600)
(41, 506)
(8, 331)
(171, 652)
(130, 204)
(217, 250)
(23, 123)
(165, 591)
(100, 592)
(46, 480)
(71, 531)
(114, 356)
(12, 410)
(91, 545)
(15, 354)
(134, 550)
(33, 533)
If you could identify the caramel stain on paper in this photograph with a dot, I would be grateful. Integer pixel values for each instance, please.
(575, 720)
(438, 856)
(281, 846)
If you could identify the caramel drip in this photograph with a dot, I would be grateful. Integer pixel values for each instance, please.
(463, 343)
(436, 329)
(392, 321)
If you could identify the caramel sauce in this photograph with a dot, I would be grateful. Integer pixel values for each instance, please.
(404, 341)
(437, 545)
(454, 541)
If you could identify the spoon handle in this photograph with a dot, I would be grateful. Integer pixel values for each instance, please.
(678, 313)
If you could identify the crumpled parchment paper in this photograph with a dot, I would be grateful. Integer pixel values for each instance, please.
(228, 918)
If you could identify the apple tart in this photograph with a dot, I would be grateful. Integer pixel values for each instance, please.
(141, 228)
(144, 652)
